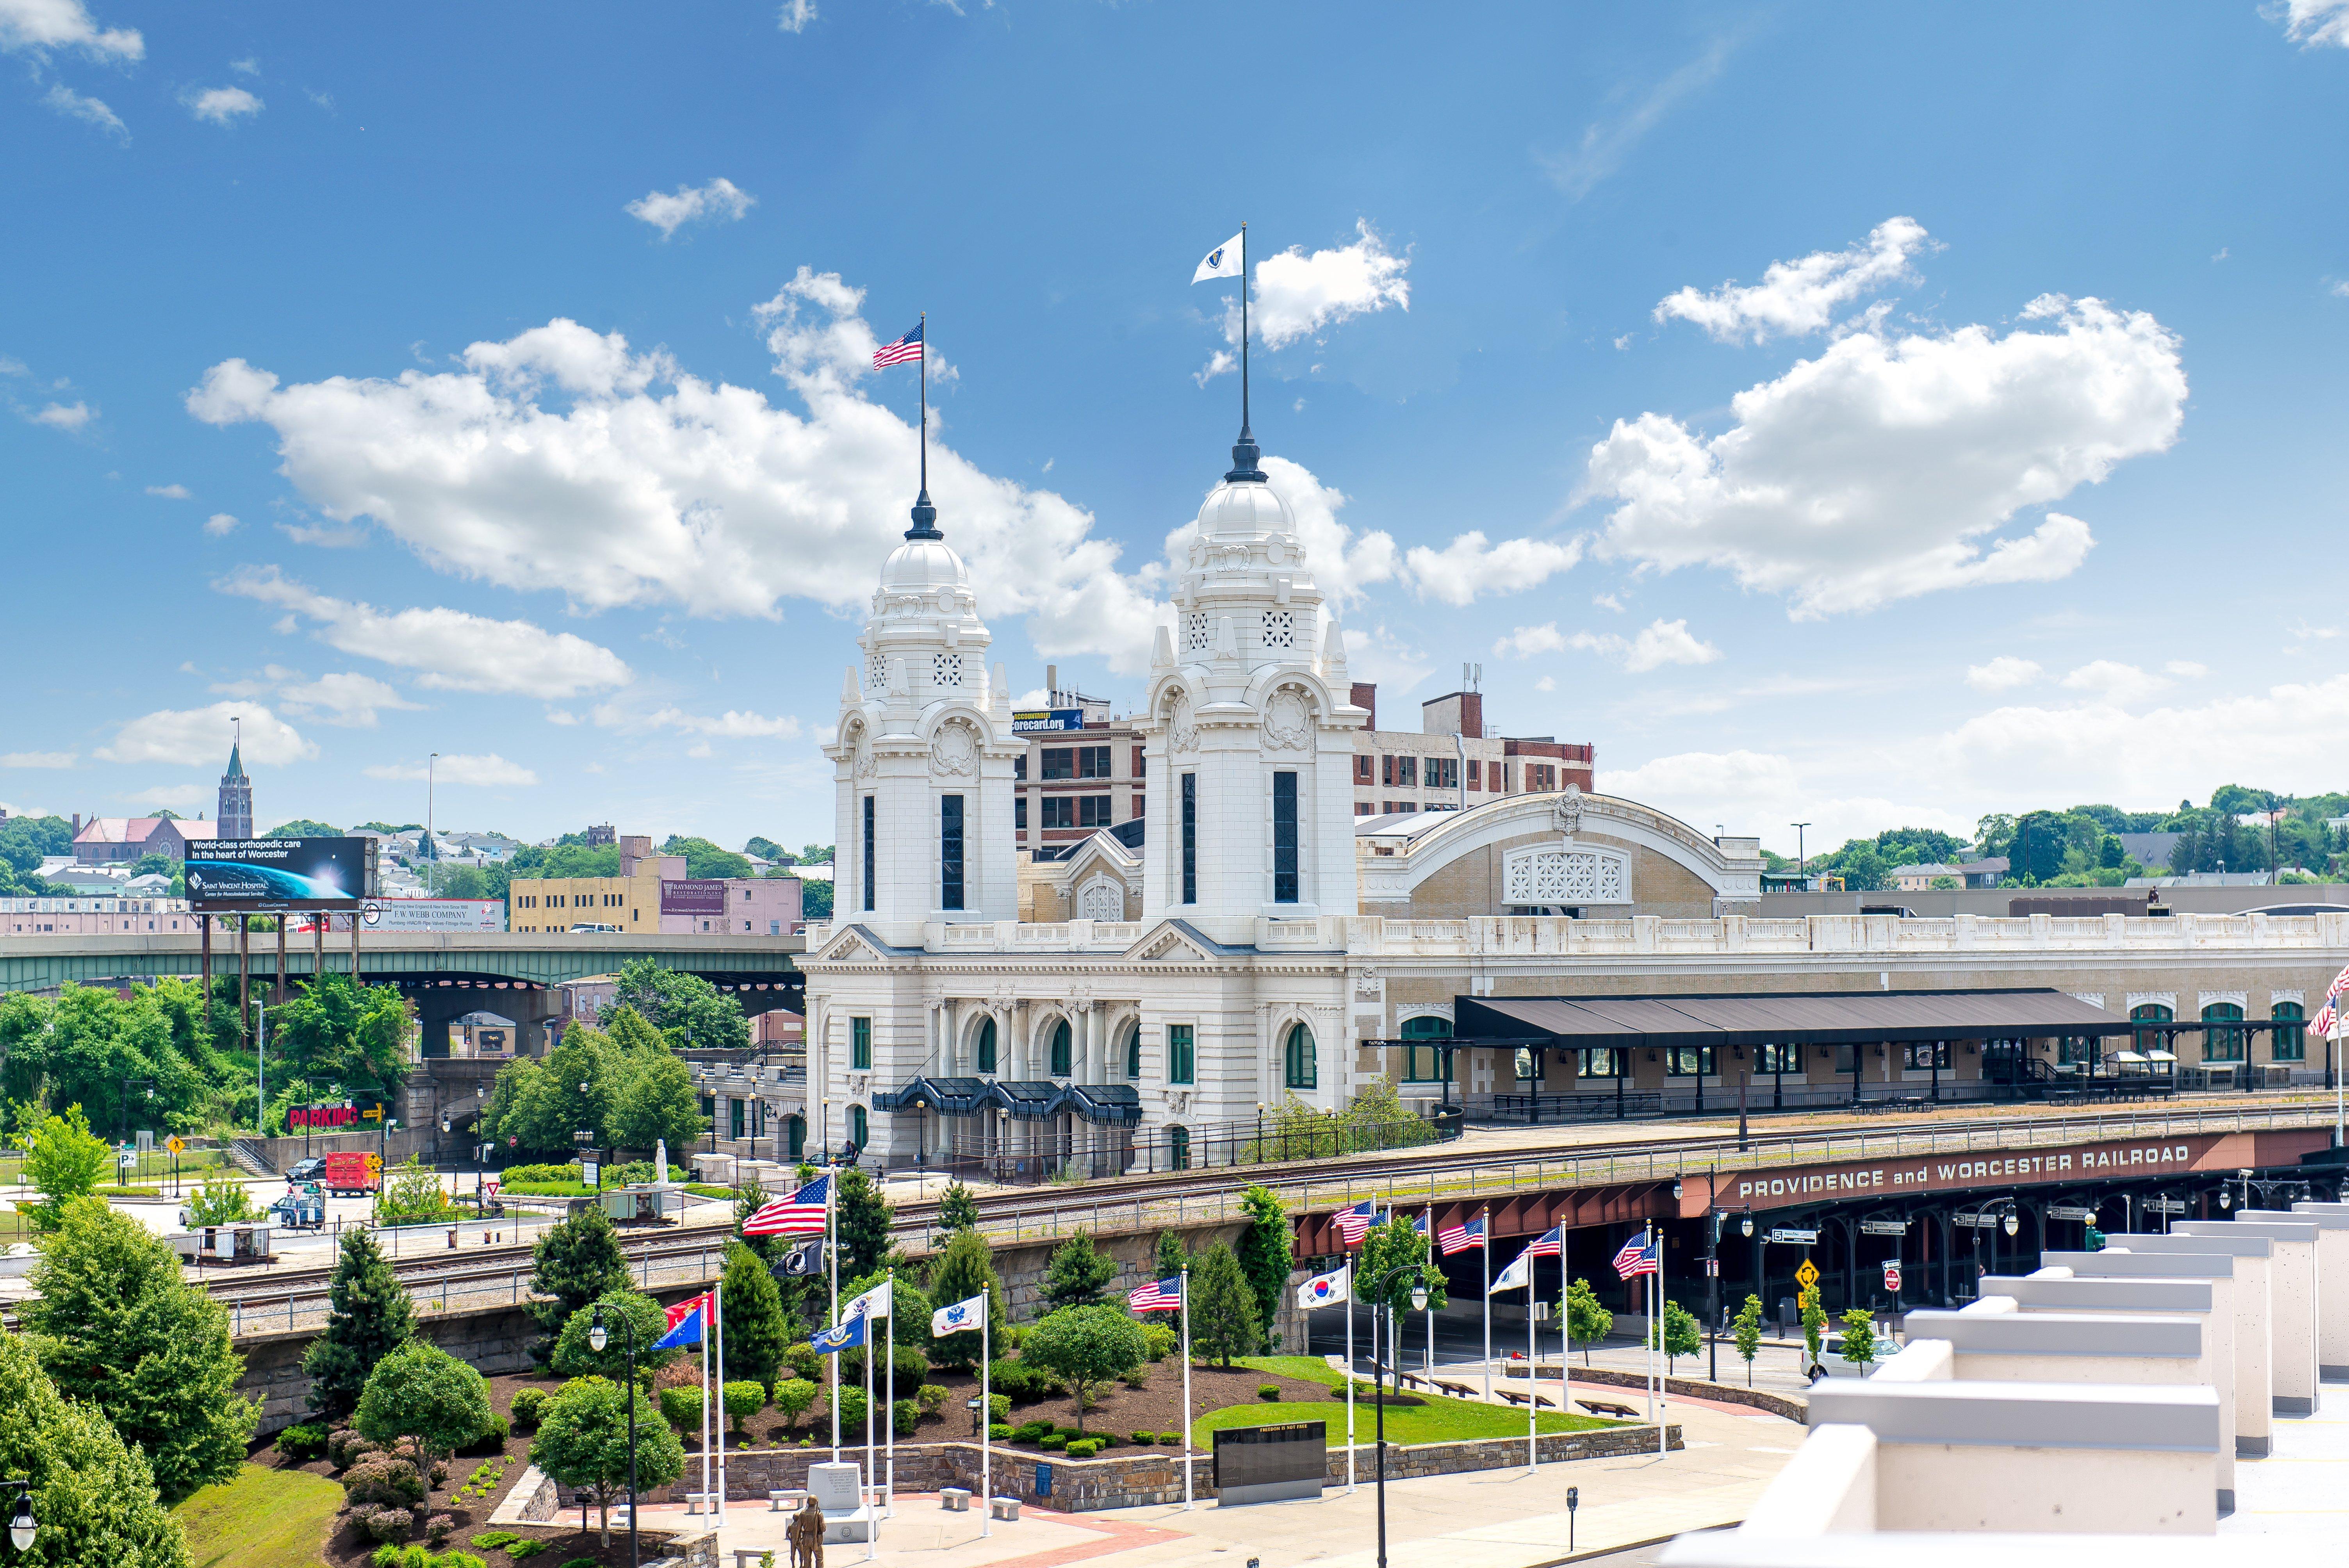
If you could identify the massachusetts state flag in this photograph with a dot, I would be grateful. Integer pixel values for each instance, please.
(1223, 262)
(848, 1334)
(1327, 1290)
(800, 1214)
(905, 351)
(1640, 1255)
(1460, 1238)
(1550, 1244)
(1158, 1296)
(1354, 1224)
(686, 1321)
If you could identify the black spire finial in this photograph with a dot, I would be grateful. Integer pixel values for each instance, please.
(926, 516)
(1245, 453)
(925, 519)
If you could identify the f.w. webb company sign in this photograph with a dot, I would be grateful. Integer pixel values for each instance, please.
(1771, 1189)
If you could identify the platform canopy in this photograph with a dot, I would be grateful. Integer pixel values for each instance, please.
(1775, 1017)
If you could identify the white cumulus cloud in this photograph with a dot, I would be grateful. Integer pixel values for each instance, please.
(89, 110)
(221, 105)
(453, 650)
(1299, 294)
(221, 524)
(1873, 472)
(2114, 682)
(349, 699)
(489, 771)
(36, 758)
(63, 416)
(36, 27)
(197, 736)
(1797, 298)
(168, 493)
(670, 211)
(728, 726)
(1659, 644)
(795, 16)
(2003, 674)
(2312, 22)
(1471, 565)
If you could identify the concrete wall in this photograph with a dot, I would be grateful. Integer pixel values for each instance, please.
(2074, 1282)
(2332, 1283)
(2291, 1298)
(2255, 1323)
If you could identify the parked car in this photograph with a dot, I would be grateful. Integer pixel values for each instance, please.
(311, 1170)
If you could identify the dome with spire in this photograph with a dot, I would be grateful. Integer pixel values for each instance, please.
(924, 566)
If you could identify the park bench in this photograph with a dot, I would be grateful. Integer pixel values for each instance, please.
(702, 1501)
(785, 1501)
(1459, 1390)
(955, 1498)
(1520, 1397)
(1608, 1407)
(1004, 1508)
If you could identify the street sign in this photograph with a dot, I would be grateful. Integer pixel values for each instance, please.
(1712, 1267)
(372, 1113)
(1893, 1276)
(175, 1145)
(1808, 1275)
(1884, 1227)
(1786, 1237)
(127, 1159)
(2070, 1211)
(1975, 1222)
(2164, 1206)
(371, 913)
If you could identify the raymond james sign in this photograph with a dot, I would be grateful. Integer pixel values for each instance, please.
(1948, 1173)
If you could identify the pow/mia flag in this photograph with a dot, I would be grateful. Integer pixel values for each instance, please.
(800, 1263)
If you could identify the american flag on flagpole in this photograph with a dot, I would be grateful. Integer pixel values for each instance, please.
(800, 1214)
(905, 351)
(1460, 1238)
(1158, 1296)
(1640, 1255)
(2340, 983)
(1550, 1244)
(1354, 1224)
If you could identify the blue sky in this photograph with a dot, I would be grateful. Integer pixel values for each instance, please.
(1869, 416)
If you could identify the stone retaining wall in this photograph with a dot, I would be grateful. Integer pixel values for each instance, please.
(1145, 1476)
(1786, 1405)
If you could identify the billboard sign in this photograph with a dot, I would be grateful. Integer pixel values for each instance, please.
(694, 895)
(1048, 721)
(420, 914)
(257, 876)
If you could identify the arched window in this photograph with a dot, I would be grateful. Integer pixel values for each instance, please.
(2289, 1045)
(1429, 1063)
(795, 1128)
(857, 1130)
(1303, 1070)
(1133, 1051)
(984, 1043)
(1061, 1050)
(2147, 1040)
(1178, 1148)
(2222, 1044)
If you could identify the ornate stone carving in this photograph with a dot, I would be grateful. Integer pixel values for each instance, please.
(1287, 722)
(1366, 984)
(1182, 733)
(1102, 899)
(1178, 1101)
(1569, 810)
(1565, 875)
(954, 750)
(861, 743)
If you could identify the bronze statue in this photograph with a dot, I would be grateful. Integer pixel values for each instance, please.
(807, 1535)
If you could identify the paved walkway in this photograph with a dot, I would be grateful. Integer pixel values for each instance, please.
(2301, 1489)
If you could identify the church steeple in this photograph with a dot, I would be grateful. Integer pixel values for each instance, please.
(235, 790)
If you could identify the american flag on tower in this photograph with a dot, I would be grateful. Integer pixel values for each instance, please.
(1643, 1254)
(1354, 1224)
(800, 1214)
(905, 351)
(1460, 1238)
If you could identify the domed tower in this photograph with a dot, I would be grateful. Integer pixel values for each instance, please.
(1249, 725)
(924, 753)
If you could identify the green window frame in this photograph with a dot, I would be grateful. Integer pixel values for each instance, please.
(1426, 1063)
(1062, 1051)
(858, 1129)
(1690, 1061)
(986, 1045)
(2223, 1044)
(2151, 1013)
(1923, 1056)
(1133, 1053)
(1300, 1059)
(734, 1119)
(2288, 1045)
(860, 1044)
(1180, 1065)
(1777, 1059)
(1178, 1148)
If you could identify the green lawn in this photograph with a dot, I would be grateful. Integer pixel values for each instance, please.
(263, 1518)
(1435, 1419)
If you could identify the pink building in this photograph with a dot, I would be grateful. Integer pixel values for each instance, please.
(735, 906)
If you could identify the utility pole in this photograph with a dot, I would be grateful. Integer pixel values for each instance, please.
(432, 871)
(1802, 860)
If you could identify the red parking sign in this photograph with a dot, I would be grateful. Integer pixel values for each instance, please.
(1892, 1278)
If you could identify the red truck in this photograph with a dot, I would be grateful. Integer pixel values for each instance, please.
(354, 1175)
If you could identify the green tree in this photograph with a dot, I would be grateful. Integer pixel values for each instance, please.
(1746, 1328)
(1586, 1322)
(1859, 1338)
(1682, 1335)
(1223, 1308)
(1397, 1250)
(421, 1391)
(1266, 1253)
(658, 1103)
(576, 1355)
(956, 1210)
(2040, 842)
(965, 1268)
(576, 1261)
(337, 1031)
(765, 848)
(686, 1008)
(792, 1398)
(756, 1330)
(117, 1328)
(815, 898)
(63, 1160)
(1170, 1259)
(1077, 1274)
(863, 1219)
(1815, 1325)
(368, 1317)
(583, 1443)
(1090, 1345)
(303, 827)
(704, 858)
(92, 1493)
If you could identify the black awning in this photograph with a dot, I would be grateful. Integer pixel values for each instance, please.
(1024, 1099)
(946, 1096)
(1776, 1018)
(1104, 1104)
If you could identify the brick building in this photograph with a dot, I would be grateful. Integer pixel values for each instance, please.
(1455, 760)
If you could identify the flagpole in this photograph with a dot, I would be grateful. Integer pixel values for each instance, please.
(1533, 1361)
(705, 1408)
(1185, 1309)
(717, 1420)
(872, 1518)
(891, 1275)
(1429, 1368)
(1485, 1251)
(1663, 1395)
(833, 1250)
(1350, 1374)
(986, 1419)
(925, 406)
(1244, 333)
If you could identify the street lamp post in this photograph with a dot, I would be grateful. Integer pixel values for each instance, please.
(431, 849)
(1802, 860)
(1418, 1304)
(596, 1339)
(22, 1527)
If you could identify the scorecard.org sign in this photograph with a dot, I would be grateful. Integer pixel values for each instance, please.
(256, 875)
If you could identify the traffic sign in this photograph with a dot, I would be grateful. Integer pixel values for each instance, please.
(1884, 1227)
(371, 913)
(372, 1113)
(2069, 1211)
(1786, 1237)
(1712, 1267)
(1808, 1275)
(175, 1145)
(1893, 1276)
